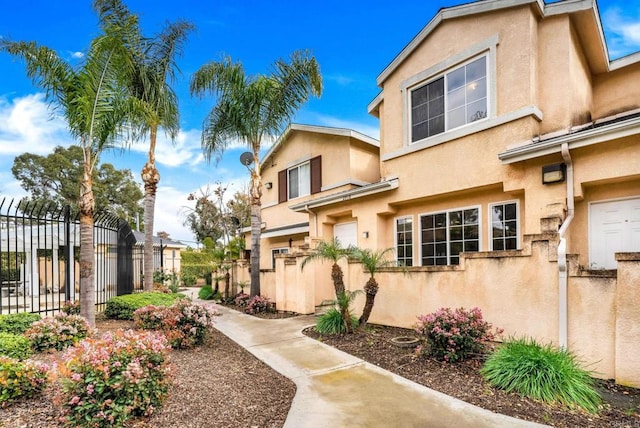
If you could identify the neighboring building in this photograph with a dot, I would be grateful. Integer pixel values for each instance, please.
(507, 177)
(167, 259)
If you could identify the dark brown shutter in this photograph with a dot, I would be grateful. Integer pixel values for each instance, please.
(316, 174)
(282, 186)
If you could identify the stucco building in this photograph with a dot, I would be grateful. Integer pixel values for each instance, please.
(507, 177)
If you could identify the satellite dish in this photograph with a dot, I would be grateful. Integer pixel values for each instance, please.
(246, 158)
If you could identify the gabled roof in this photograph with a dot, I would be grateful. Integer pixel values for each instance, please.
(484, 6)
(295, 127)
(156, 241)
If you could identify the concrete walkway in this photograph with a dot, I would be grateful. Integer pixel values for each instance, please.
(335, 389)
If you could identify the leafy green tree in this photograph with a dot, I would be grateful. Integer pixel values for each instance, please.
(149, 82)
(96, 108)
(55, 179)
(252, 109)
(372, 261)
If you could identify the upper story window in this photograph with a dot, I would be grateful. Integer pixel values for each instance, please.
(299, 180)
(451, 100)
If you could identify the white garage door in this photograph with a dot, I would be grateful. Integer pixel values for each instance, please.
(347, 233)
(614, 228)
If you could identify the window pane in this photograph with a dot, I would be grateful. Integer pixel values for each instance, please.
(471, 232)
(436, 125)
(419, 96)
(477, 110)
(455, 232)
(304, 178)
(456, 99)
(456, 79)
(510, 228)
(420, 131)
(476, 69)
(498, 231)
(420, 114)
(455, 248)
(471, 216)
(440, 220)
(511, 244)
(436, 107)
(455, 218)
(471, 246)
(510, 211)
(293, 183)
(477, 90)
(456, 118)
(436, 89)
(498, 245)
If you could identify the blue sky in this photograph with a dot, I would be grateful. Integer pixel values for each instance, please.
(352, 40)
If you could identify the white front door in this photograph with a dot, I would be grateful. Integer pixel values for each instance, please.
(614, 228)
(347, 233)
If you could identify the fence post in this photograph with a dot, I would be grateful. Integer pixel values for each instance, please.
(69, 288)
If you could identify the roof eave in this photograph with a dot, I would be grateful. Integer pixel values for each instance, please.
(371, 189)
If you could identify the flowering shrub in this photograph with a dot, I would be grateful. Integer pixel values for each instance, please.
(241, 299)
(455, 335)
(184, 323)
(58, 332)
(17, 323)
(14, 346)
(20, 379)
(71, 308)
(258, 304)
(106, 381)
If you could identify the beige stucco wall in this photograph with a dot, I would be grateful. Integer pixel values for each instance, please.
(616, 91)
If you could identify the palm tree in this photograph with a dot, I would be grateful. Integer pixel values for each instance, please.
(95, 107)
(333, 251)
(372, 261)
(154, 70)
(253, 109)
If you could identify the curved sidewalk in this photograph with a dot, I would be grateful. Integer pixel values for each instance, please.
(336, 389)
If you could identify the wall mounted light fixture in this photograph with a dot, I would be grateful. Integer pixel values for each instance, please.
(268, 185)
(365, 234)
(555, 173)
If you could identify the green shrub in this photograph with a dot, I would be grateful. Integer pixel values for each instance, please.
(184, 323)
(123, 307)
(541, 372)
(106, 381)
(455, 335)
(18, 323)
(71, 308)
(20, 379)
(189, 279)
(206, 293)
(58, 332)
(331, 322)
(14, 346)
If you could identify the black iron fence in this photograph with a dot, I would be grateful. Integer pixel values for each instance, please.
(39, 252)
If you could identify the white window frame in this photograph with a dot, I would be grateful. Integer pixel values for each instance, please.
(486, 48)
(274, 252)
(490, 222)
(448, 241)
(395, 239)
(301, 182)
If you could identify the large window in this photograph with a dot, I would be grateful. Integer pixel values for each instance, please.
(445, 235)
(299, 180)
(404, 241)
(504, 226)
(449, 101)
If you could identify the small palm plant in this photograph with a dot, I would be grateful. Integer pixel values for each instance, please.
(333, 251)
(339, 319)
(372, 261)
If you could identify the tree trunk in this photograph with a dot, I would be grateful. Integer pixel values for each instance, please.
(370, 289)
(256, 225)
(336, 277)
(87, 204)
(150, 178)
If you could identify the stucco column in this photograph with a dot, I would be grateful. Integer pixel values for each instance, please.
(627, 363)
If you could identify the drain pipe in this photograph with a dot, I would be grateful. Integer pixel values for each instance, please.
(562, 252)
(315, 218)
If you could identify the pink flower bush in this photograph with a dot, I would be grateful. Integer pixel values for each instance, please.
(106, 381)
(258, 304)
(184, 323)
(455, 335)
(58, 332)
(241, 299)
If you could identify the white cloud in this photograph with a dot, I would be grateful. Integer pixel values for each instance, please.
(622, 29)
(340, 79)
(77, 55)
(26, 124)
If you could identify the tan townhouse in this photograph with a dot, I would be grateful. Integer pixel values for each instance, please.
(507, 177)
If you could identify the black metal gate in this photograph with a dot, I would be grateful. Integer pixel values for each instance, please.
(39, 249)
